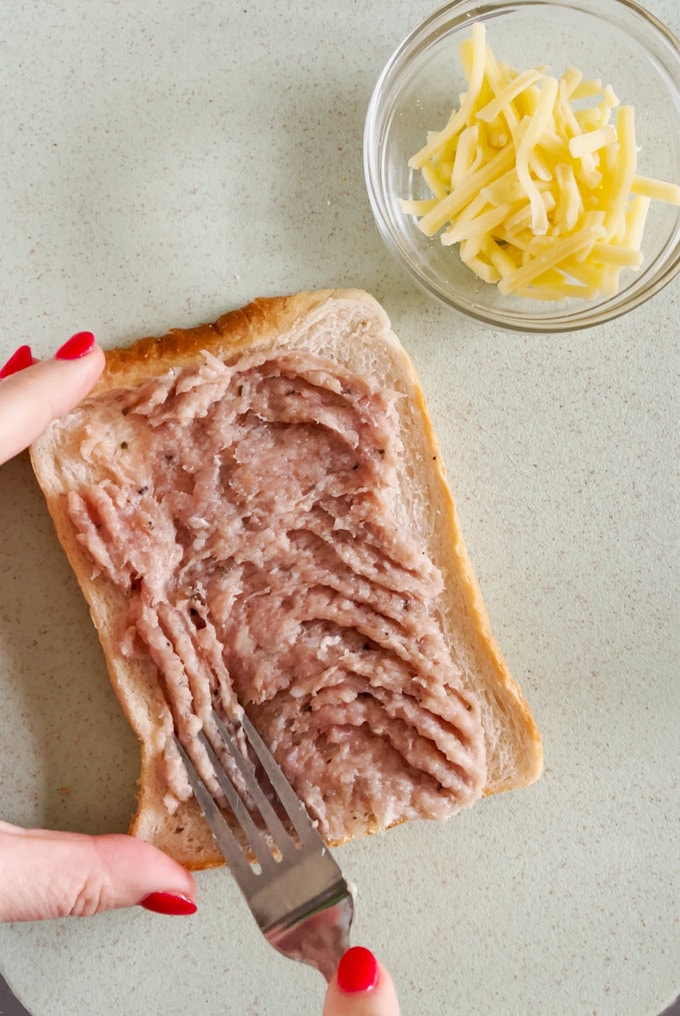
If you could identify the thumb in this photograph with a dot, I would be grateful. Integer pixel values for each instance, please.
(32, 394)
(361, 987)
(55, 874)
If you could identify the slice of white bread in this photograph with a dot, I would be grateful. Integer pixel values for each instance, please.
(350, 329)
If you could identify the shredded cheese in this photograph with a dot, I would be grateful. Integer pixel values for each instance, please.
(542, 196)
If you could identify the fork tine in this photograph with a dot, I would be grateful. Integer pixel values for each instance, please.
(295, 809)
(254, 836)
(227, 842)
(274, 825)
(276, 832)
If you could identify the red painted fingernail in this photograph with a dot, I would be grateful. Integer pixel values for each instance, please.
(168, 903)
(357, 970)
(78, 345)
(19, 360)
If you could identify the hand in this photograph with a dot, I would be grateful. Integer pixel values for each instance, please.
(50, 874)
(33, 393)
(361, 987)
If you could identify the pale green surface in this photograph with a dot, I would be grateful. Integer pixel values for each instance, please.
(163, 162)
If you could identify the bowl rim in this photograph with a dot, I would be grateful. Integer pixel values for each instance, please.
(587, 316)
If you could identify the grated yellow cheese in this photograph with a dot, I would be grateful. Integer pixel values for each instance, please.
(657, 189)
(542, 197)
(592, 141)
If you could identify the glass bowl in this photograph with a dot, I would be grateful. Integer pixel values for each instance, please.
(613, 40)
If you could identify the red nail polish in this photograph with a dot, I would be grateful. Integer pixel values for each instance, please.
(78, 345)
(357, 970)
(173, 904)
(19, 360)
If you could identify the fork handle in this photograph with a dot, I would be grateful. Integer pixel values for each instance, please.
(319, 940)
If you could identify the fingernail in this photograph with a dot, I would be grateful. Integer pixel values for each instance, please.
(78, 345)
(357, 970)
(168, 903)
(22, 358)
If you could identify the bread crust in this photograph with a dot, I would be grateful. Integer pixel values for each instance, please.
(261, 321)
(360, 330)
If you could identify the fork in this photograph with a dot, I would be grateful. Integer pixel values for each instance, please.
(293, 886)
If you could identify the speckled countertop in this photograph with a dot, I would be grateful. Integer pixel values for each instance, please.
(163, 162)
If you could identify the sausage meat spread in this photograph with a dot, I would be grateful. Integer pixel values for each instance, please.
(249, 513)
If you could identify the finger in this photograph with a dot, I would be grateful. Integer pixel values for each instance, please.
(32, 397)
(361, 987)
(52, 874)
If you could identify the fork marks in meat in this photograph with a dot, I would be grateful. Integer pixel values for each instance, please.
(250, 517)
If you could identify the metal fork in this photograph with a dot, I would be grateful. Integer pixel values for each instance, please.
(294, 888)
